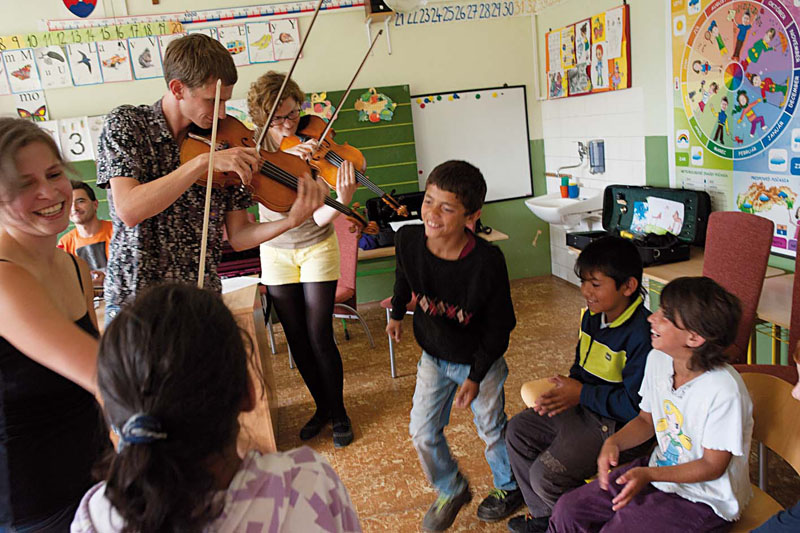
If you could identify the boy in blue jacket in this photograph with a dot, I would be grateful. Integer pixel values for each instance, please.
(553, 446)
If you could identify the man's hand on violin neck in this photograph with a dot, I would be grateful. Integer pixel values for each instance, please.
(243, 161)
(310, 197)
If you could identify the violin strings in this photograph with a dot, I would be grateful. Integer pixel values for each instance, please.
(337, 160)
(287, 179)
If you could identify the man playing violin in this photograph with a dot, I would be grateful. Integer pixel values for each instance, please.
(301, 266)
(155, 204)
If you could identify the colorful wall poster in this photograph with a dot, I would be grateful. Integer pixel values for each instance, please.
(286, 37)
(583, 46)
(53, 67)
(591, 55)
(115, 61)
(259, 43)
(234, 38)
(567, 47)
(145, 58)
(736, 69)
(23, 76)
(32, 106)
(84, 64)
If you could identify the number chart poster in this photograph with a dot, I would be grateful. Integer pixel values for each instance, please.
(736, 68)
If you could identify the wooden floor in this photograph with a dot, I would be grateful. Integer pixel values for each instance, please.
(380, 468)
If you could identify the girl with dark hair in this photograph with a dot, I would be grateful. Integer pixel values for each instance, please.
(50, 428)
(173, 376)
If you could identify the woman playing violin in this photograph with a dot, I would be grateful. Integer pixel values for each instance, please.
(301, 266)
(155, 205)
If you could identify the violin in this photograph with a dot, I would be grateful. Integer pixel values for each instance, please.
(275, 183)
(330, 155)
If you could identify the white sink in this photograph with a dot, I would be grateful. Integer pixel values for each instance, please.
(554, 209)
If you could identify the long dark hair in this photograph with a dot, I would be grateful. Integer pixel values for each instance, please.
(701, 305)
(177, 355)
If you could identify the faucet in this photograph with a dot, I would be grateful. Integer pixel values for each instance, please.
(581, 155)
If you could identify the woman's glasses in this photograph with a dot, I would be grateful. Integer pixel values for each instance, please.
(278, 119)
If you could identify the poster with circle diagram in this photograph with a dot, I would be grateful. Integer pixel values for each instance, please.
(736, 134)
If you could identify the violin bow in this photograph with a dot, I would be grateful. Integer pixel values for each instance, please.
(201, 272)
(347, 91)
(286, 78)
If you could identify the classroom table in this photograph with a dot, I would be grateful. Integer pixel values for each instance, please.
(693, 267)
(257, 426)
(388, 251)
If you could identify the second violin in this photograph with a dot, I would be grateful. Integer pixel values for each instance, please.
(330, 155)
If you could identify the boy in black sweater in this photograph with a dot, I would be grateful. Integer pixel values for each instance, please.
(463, 320)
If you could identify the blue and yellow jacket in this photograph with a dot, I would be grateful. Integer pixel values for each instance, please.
(610, 362)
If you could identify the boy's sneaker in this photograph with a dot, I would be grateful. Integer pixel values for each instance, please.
(500, 504)
(528, 524)
(444, 510)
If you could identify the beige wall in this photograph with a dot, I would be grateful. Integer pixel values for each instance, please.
(430, 58)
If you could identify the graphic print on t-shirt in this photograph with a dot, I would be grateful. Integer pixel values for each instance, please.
(671, 440)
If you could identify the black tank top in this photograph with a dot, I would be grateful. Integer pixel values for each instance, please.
(51, 434)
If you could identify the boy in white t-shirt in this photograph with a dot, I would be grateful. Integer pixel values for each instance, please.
(700, 412)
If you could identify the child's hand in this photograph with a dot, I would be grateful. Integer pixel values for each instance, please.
(566, 394)
(606, 459)
(468, 391)
(634, 480)
(394, 329)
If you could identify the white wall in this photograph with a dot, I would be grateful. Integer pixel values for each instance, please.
(616, 117)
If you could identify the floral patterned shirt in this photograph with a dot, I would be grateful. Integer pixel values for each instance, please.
(294, 491)
(136, 142)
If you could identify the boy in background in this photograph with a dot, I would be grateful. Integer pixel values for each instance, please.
(553, 445)
(463, 320)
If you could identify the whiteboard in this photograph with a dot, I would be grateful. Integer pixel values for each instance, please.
(485, 127)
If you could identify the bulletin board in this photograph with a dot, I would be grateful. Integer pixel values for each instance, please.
(485, 127)
(590, 56)
(735, 128)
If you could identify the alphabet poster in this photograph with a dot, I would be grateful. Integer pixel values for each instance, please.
(145, 57)
(23, 75)
(115, 62)
(590, 56)
(32, 106)
(53, 67)
(736, 132)
(84, 64)
(234, 38)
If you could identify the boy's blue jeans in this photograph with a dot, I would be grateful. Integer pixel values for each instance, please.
(437, 383)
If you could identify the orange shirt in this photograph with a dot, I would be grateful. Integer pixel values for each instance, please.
(94, 249)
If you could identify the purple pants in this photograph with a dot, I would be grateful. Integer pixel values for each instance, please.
(756, 122)
(588, 509)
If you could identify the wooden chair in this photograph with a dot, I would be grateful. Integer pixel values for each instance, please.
(346, 306)
(736, 255)
(775, 416)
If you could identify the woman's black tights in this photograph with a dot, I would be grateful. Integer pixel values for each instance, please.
(306, 313)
